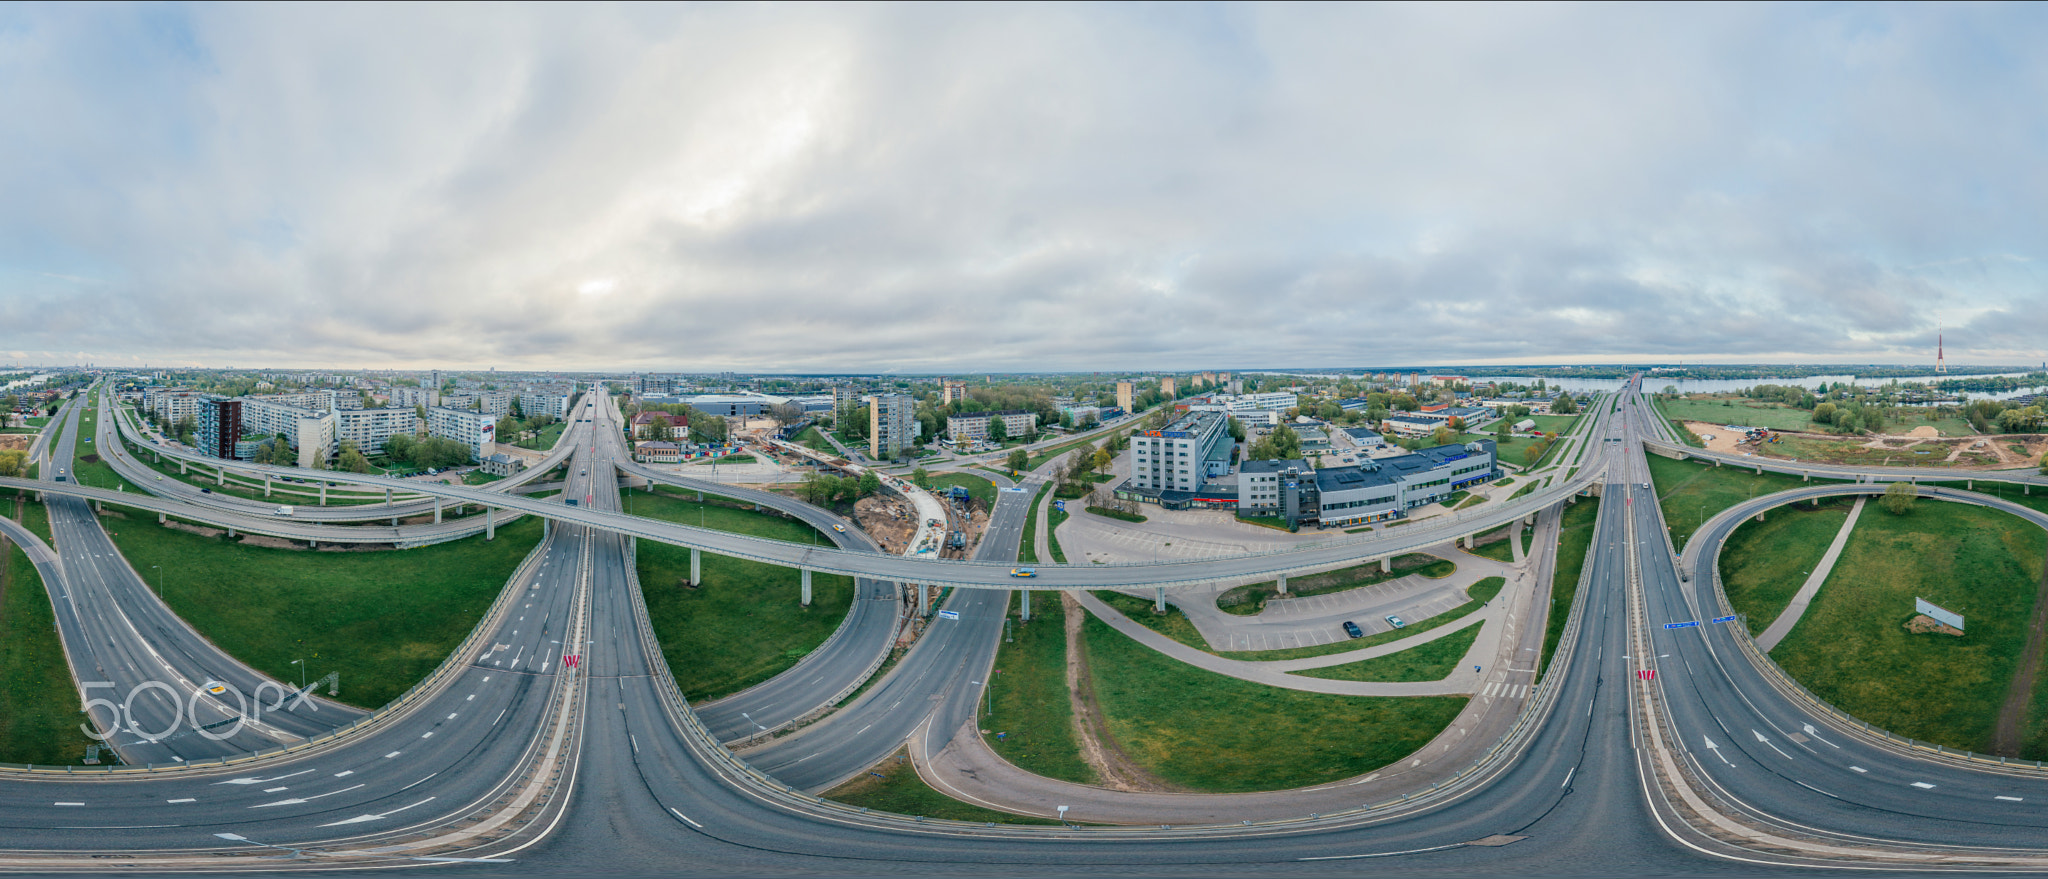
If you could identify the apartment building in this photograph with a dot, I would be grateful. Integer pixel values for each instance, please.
(410, 397)
(496, 404)
(1126, 395)
(171, 407)
(369, 428)
(545, 401)
(973, 426)
(478, 430)
(952, 391)
(892, 425)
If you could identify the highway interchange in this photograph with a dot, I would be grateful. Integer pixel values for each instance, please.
(510, 754)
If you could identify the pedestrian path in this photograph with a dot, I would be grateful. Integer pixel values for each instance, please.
(1782, 626)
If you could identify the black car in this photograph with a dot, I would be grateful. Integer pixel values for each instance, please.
(1352, 629)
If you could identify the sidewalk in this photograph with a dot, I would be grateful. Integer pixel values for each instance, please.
(1789, 618)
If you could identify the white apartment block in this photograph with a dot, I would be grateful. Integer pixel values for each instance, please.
(312, 432)
(410, 397)
(478, 430)
(544, 401)
(971, 426)
(496, 404)
(369, 428)
(172, 406)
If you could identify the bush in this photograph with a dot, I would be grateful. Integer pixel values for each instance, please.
(1898, 499)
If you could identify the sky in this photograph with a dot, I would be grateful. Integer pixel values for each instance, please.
(978, 187)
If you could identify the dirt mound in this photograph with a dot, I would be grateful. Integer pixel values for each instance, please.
(1922, 624)
(14, 441)
(1922, 430)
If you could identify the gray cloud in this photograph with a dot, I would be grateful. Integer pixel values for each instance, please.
(927, 188)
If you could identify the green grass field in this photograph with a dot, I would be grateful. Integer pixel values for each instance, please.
(384, 620)
(744, 624)
(1431, 661)
(545, 438)
(981, 490)
(1498, 545)
(1033, 713)
(811, 439)
(1575, 536)
(1027, 546)
(1053, 519)
(893, 786)
(39, 710)
(1250, 599)
(1852, 650)
(1691, 492)
(1764, 563)
(1734, 409)
(1187, 726)
(1173, 624)
(1176, 625)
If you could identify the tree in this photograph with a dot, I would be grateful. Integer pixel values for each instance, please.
(1102, 459)
(870, 483)
(1564, 405)
(1018, 458)
(352, 459)
(2044, 465)
(920, 477)
(998, 430)
(661, 429)
(1898, 498)
(508, 428)
(786, 414)
(1824, 413)
(398, 447)
(1444, 435)
(14, 462)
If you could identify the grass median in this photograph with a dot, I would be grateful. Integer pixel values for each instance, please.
(1250, 599)
(1428, 661)
(383, 619)
(1032, 725)
(1852, 649)
(39, 710)
(1764, 563)
(743, 624)
(1691, 492)
(1574, 539)
(1187, 726)
(981, 490)
(1027, 547)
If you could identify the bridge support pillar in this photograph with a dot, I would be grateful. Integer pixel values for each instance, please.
(490, 523)
(807, 587)
(1387, 565)
(160, 518)
(231, 532)
(266, 485)
(220, 476)
(1806, 476)
(924, 600)
(1970, 485)
(1158, 599)
(181, 468)
(1024, 603)
(700, 497)
(1281, 582)
(387, 496)
(696, 566)
(546, 528)
(1468, 541)
(437, 510)
(323, 494)
(312, 544)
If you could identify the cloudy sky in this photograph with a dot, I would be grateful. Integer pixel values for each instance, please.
(977, 187)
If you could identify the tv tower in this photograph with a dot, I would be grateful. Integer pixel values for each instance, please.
(1940, 365)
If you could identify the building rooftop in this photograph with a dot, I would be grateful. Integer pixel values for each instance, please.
(1274, 466)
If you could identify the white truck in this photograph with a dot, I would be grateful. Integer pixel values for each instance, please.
(281, 511)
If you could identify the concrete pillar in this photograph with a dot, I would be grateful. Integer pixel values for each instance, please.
(1970, 484)
(696, 566)
(1387, 565)
(437, 510)
(807, 587)
(700, 497)
(160, 518)
(387, 494)
(1468, 541)
(266, 485)
(490, 523)
(546, 528)
(181, 467)
(1806, 476)
(323, 494)
(1281, 581)
(1158, 599)
(312, 544)
(220, 476)
(1024, 603)
(100, 506)
(924, 600)
(231, 532)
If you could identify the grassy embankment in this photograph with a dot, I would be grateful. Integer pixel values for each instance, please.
(1251, 598)
(1176, 625)
(382, 619)
(1027, 547)
(1691, 492)
(1187, 726)
(39, 710)
(743, 624)
(1429, 661)
(981, 490)
(1053, 519)
(545, 438)
(1574, 538)
(1851, 647)
(1498, 544)
(811, 439)
(1033, 711)
(893, 786)
(1764, 563)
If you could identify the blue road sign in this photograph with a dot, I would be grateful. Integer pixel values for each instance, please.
(1685, 625)
(949, 614)
(1724, 619)
(1060, 506)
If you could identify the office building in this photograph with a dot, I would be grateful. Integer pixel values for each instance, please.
(892, 425)
(1181, 455)
(1271, 488)
(1386, 488)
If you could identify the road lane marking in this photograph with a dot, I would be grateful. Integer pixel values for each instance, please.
(686, 818)
(2011, 799)
(344, 773)
(1859, 769)
(1923, 785)
(67, 804)
(391, 755)
(427, 735)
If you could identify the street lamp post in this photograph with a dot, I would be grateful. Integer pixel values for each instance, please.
(159, 581)
(302, 672)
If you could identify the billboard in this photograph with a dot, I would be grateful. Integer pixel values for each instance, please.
(1946, 618)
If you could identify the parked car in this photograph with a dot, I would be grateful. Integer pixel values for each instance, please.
(1395, 621)
(1352, 629)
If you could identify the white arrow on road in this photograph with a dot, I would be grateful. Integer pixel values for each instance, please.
(1815, 735)
(1767, 743)
(1716, 749)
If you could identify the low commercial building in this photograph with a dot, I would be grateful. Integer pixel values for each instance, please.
(502, 464)
(658, 452)
(974, 426)
(478, 430)
(644, 423)
(1365, 438)
(1386, 488)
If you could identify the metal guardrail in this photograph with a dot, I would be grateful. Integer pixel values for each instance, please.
(418, 693)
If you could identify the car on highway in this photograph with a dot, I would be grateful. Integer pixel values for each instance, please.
(839, 528)
(206, 491)
(1352, 629)
(1395, 621)
(217, 689)
(1023, 572)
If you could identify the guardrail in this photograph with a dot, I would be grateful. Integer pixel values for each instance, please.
(411, 698)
